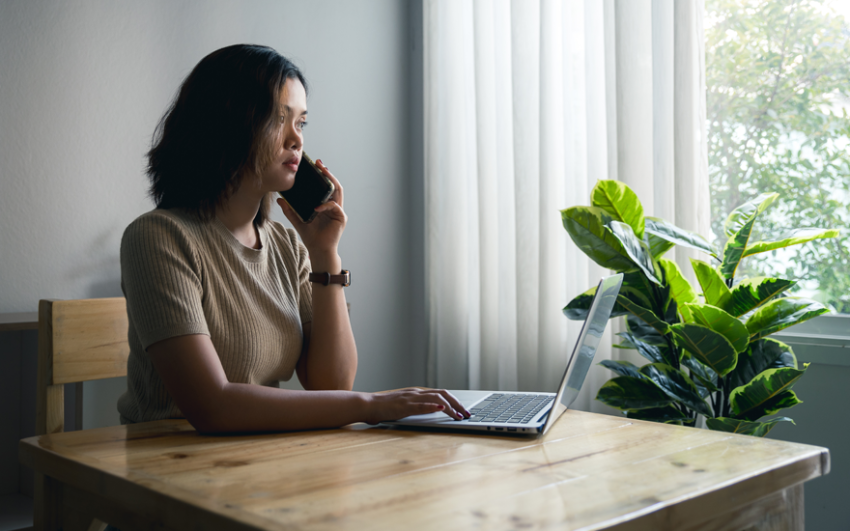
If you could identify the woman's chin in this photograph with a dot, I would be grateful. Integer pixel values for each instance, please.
(283, 185)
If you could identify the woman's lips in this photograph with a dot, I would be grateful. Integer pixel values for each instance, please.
(292, 163)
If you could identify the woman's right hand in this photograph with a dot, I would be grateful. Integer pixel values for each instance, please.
(321, 236)
(400, 403)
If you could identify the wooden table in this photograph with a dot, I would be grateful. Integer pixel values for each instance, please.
(589, 472)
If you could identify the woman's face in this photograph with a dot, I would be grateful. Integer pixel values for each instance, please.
(280, 174)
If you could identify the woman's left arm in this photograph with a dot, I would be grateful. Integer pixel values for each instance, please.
(329, 358)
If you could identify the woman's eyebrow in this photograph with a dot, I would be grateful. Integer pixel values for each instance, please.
(288, 110)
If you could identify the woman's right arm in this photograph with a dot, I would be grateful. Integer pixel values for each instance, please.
(192, 373)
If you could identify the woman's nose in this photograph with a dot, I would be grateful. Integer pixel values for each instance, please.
(292, 138)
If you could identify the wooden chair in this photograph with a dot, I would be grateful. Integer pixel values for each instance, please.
(78, 341)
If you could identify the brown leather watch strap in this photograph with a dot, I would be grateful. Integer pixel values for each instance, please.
(324, 279)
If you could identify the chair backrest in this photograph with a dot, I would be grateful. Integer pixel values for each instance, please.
(78, 341)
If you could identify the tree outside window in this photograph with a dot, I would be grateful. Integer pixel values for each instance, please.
(778, 113)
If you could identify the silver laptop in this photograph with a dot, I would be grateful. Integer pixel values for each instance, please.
(500, 412)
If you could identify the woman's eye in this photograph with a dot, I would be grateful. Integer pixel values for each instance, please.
(302, 125)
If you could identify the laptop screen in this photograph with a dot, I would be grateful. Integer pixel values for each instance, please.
(589, 338)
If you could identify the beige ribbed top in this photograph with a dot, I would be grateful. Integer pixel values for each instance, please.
(183, 276)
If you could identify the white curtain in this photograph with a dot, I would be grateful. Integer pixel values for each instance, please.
(528, 103)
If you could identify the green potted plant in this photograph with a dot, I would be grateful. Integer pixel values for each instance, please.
(709, 353)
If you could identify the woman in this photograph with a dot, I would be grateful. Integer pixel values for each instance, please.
(218, 295)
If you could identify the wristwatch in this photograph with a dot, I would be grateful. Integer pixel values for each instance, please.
(324, 279)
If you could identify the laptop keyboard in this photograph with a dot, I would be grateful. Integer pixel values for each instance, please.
(509, 408)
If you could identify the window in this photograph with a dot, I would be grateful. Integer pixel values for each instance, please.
(778, 113)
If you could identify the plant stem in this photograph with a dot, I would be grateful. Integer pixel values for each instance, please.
(714, 403)
(720, 396)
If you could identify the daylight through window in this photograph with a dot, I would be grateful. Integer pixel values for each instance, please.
(778, 114)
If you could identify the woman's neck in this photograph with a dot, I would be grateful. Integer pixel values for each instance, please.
(238, 214)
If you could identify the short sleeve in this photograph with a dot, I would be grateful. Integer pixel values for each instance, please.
(161, 279)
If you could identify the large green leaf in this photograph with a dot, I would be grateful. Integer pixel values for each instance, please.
(733, 252)
(714, 288)
(627, 343)
(742, 215)
(673, 234)
(709, 347)
(577, 309)
(761, 355)
(769, 392)
(623, 368)
(623, 392)
(756, 429)
(587, 227)
(643, 314)
(620, 202)
(719, 321)
(706, 377)
(631, 288)
(676, 385)
(786, 358)
(795, 237)
(782, 400)
(636, 249)
(657, 246)
(636, 287)
(739, 226)
(779, 314)
(644, 332)
(751, 293)
(663, 295)
(654, 353)
(703, 390)
(680, 289)
(667, 414)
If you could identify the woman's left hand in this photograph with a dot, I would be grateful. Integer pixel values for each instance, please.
(321, 236)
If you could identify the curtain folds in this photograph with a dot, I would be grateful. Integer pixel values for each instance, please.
(527, 104)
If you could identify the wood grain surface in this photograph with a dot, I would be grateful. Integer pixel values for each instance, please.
(89, 339)
(589, 472)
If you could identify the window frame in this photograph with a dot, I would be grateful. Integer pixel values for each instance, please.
(823, 340)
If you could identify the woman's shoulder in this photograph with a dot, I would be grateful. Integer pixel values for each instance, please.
(162, 227)
(157, 241)
(162, 220)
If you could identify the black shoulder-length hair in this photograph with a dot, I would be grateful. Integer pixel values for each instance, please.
(223, 126)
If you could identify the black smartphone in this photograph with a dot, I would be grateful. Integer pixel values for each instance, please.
(310, 190)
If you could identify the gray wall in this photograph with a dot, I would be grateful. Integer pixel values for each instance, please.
(84, 83)
(822, 420)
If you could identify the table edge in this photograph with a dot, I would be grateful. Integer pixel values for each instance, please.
(816, 460)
